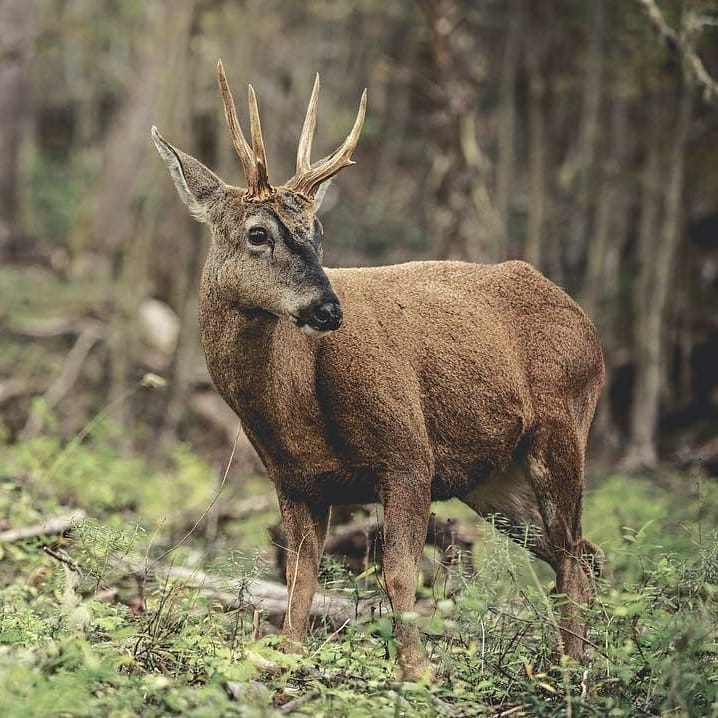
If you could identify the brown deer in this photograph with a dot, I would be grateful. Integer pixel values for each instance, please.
(407, 384)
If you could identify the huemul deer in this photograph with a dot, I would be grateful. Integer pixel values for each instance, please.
(406, 384)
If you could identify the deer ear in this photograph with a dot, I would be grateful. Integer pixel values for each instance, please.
(321, 192)
(197, 186)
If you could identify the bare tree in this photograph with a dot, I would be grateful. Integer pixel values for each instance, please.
(462, 216)
(16, 40)
(507, 111)
(657, 252)
(117, 227)
(585, 153)
(536, 46)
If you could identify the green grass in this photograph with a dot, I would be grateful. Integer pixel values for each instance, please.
(65, 651)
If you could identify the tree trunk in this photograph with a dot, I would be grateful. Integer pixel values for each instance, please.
(461, 214)
(654, 287)
(16, 40)
(588, 138)
(536, 149)
(600, 297)
(507, 113)
(125, 217)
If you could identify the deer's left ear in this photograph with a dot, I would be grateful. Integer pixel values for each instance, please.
(197, 185)
(321, 192)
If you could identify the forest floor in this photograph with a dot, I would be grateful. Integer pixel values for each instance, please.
(111, 620)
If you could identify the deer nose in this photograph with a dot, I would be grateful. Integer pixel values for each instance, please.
(327, 316)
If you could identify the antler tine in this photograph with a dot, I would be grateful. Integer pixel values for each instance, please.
(308, 182)
(239, 142)
(305, 139)
(260, 154)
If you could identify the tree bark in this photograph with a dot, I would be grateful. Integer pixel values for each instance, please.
(600, 297)
(128, 180)
(16, 41)
(462, 216)
(654, 287)
(588, 139)
(536, 147)
(507, 113)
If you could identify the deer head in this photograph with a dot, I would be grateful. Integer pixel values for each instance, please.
(266, 241)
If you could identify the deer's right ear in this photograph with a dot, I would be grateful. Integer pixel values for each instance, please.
(197, 186)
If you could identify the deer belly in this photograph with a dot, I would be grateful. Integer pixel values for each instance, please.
(451, 481)
(337, 488)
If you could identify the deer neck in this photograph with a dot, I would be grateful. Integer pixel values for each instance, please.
(263, 367)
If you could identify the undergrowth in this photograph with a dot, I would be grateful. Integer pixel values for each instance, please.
(95, 623)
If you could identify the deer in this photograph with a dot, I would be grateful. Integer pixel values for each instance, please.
(399, 385)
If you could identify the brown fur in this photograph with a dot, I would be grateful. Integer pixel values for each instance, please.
(446, 379)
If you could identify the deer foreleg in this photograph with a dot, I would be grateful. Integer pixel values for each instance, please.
(306, 529)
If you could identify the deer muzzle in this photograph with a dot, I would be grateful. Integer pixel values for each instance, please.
(322, 316)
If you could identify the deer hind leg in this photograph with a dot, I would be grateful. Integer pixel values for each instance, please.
(406, 515)
(555, 471)
(306, 529)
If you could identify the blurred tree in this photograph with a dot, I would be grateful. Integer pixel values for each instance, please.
(17, 36)
(657, 256)
(461, 214)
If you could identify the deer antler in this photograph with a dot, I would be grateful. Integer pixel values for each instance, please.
(305, 140)
(308, 177)
(254, 159)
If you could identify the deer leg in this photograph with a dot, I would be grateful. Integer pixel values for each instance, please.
(306, 529)
(555, 471)
(406, 516)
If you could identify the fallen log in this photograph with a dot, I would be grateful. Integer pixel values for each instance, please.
(252, 594)
(50, 527)
(50, 327)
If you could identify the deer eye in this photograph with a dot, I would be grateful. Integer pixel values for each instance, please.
(258, 236)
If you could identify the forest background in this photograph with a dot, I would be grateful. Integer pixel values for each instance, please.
(580, 135)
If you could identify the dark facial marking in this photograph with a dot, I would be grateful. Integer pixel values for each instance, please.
(303, 249)
(313, 273)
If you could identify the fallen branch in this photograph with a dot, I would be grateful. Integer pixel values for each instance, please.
(66, 379)
(235, 511)
(50, 327)
(13, 388)
(56, 525)
(253, 594)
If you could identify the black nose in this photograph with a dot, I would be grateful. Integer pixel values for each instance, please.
(327, 316)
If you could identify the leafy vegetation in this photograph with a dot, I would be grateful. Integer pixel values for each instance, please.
(82, 633)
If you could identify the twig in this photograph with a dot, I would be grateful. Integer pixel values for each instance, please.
(56, 525)
(331, 636)
(292, 705)
(63, 557)
(209, 505)
(679, 43)
(509, 712)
